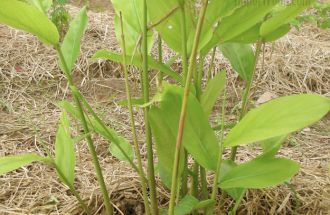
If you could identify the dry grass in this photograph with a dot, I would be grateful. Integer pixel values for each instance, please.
(31, 84)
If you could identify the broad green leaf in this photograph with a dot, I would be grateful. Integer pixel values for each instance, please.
(250, 36)
(26, 17)
(241, 58)
(227, 166)
(109, 134)
(64, 150)
(284, 16)
(205, 204)
(241, 20)
(278, 117)
(42, 5)
(212, 92)
(271, 146)
(136, 61)
(260, 173)
(185, 206)
(10, 163)
(166, 15)
(132, 13)
(278, 33)
(198, 138)
(71, 43)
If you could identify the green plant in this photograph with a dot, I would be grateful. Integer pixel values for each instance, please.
(177, 117)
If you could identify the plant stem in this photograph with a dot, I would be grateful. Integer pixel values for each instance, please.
(246, 95)
(237, 203)
(98, 120)
(145, 88)
(192, 63)
(132, 121)
(160, 59)
(91, 147)
(209, 72)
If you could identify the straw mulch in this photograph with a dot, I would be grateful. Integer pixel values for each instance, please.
(31, 85)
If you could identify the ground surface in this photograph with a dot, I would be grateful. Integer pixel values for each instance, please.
(31, 85)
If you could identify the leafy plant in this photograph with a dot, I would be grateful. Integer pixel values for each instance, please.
(177, 117)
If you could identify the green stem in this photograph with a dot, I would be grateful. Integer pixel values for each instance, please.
(246, 95)
(145, 89)
(132, 121)
(91, 147)
(237, 204)
(184, 42)
(160, 59)
(184, 108)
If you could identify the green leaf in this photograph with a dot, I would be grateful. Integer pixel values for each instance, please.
(284, 16)
(71, 43)
(278, 117)
(241, 58)
(278, 33)
(250, 36)
(109, 134)
(42, 5)
(186, 205)
(166, 15)
(205, 204)
(10, 163)
(132, 13)
(260, 173)
(198, 138)
(271, 146)
(233, 25)
(136, 61)
(212, 92)
(227, 166)
(64, 150)
(25, 17)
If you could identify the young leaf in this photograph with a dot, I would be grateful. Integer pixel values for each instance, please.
(71, 43)
(26, 17)
(278, 117)
(260, 173)
(271, 146)
(109, 134)
(285, 16)
(212, 92)
(241, 58)
(64, 150)
(10, 163)
(136, 61)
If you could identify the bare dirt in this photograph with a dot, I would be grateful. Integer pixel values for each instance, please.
(31, 85)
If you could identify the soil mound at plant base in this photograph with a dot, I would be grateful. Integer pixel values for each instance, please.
(31, 84)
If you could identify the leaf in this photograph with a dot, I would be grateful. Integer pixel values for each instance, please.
(109, 134)
(186, 205)
(278, 117)
(136, 61)
(278, 33)
(284, 16)
(25, 17)
(212, 92)
(198, 138)
(260, 173)
(241, 58)
(233, 25)
(10, 163)
(166, 15)
(71, 43)
(271, 146)
(226, 166)
(42, 5)
(132, 13)
(64, 151)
